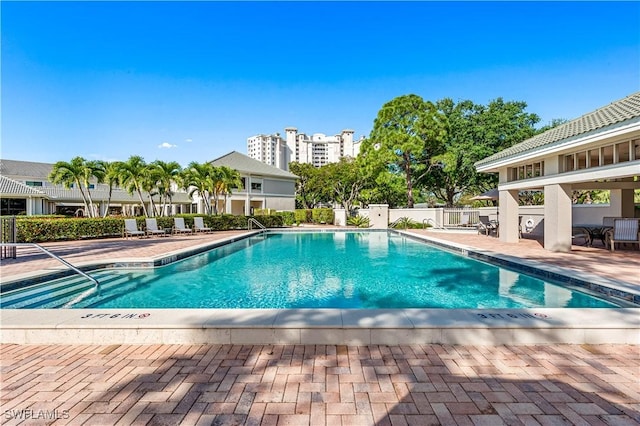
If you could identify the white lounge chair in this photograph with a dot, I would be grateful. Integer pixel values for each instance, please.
(131, 229)
(198, 225)
(624, 231)
(179, 226)
(152, 227)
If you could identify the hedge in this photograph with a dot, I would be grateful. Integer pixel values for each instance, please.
(43, 229)
(322, 215)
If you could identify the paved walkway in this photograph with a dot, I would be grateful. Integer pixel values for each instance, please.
(318, 385)
(321, 385)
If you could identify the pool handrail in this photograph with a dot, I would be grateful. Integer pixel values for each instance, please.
(252, 222)
(58, 258)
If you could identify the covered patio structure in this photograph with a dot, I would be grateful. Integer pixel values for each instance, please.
(597, 151)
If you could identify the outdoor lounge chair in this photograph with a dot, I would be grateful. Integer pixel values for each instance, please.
(198, 225)
(624, 231)
(465, 219)
(152, 227)
(486, 226)
(179, 226)
(131, 229)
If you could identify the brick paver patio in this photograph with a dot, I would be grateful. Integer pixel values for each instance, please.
(318, 385)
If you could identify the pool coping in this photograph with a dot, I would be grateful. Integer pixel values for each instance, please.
(329, 326)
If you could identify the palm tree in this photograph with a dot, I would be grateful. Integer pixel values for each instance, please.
(197, 178)
(112, 178)
(133, 173)
(230, 179)
(166, 173)
(93, 169)
(73, 173)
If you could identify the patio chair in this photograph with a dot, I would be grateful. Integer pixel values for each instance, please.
(131, 229)
(580, 234)
(179, 226)
(465, 219)
(486, 226)
(624, 231)
(152, 228)
(198, 225)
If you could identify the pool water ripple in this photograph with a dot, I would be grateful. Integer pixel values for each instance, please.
(349, 270)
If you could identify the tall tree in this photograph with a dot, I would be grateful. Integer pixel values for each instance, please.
(197, 179)
(310, 187)
(78, 172)
(165, 174)
(111, 178)
(407, 133)
(133, 173)
(346, 181)
(474, 132)
(231, 179)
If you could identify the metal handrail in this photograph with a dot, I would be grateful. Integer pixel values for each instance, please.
(61, 260)
(252, 221)
(435, 224)
(395, 222)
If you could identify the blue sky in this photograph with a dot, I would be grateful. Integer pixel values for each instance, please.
(190, 81)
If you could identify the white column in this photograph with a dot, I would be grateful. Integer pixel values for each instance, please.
(379, 216)
(621, 201)
(508, 219)
(247, 203)
(557, 218)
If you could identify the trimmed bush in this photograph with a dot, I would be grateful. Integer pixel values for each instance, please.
(288, 218)
(323, 215)
(55, 229)
(43, 229)
(303, 215)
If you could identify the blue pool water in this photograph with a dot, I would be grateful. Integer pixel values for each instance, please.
(313, 270)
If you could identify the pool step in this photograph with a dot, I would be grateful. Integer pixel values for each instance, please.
(57, 293)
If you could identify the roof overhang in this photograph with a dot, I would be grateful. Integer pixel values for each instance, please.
(624, 130)
(611, 172)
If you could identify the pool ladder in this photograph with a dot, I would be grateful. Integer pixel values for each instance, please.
(252, 222)
(58, 258)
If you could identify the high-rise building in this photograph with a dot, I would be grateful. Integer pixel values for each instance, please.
(317, 149)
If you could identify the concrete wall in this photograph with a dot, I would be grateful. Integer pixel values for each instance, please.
(532, 216)
(278, 187)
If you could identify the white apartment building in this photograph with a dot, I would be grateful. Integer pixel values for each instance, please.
(317, 149)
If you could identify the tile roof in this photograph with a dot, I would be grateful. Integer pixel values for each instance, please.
(616, 112)
(10, 187)
(247, 165)
(25, 168)
(98, 195)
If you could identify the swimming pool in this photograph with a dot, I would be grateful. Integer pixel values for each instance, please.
(346, 270)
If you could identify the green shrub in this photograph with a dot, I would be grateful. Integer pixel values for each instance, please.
(273, 221)
(263, 212)
(288, 218)
(323, 215)
(405, 223)
(32, 230)
(303, 215)
(359, 221)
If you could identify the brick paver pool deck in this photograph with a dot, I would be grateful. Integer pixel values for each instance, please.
(321, 384)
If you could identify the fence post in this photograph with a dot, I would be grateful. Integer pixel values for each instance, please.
(8, 234)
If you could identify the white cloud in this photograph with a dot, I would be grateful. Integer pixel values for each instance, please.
(166, 145)
(188, 140)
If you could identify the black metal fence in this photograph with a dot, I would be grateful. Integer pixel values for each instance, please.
(8, 234)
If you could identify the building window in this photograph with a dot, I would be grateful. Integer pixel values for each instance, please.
(256, 186)
(33, 183)
(526, 171)
(13, 206)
